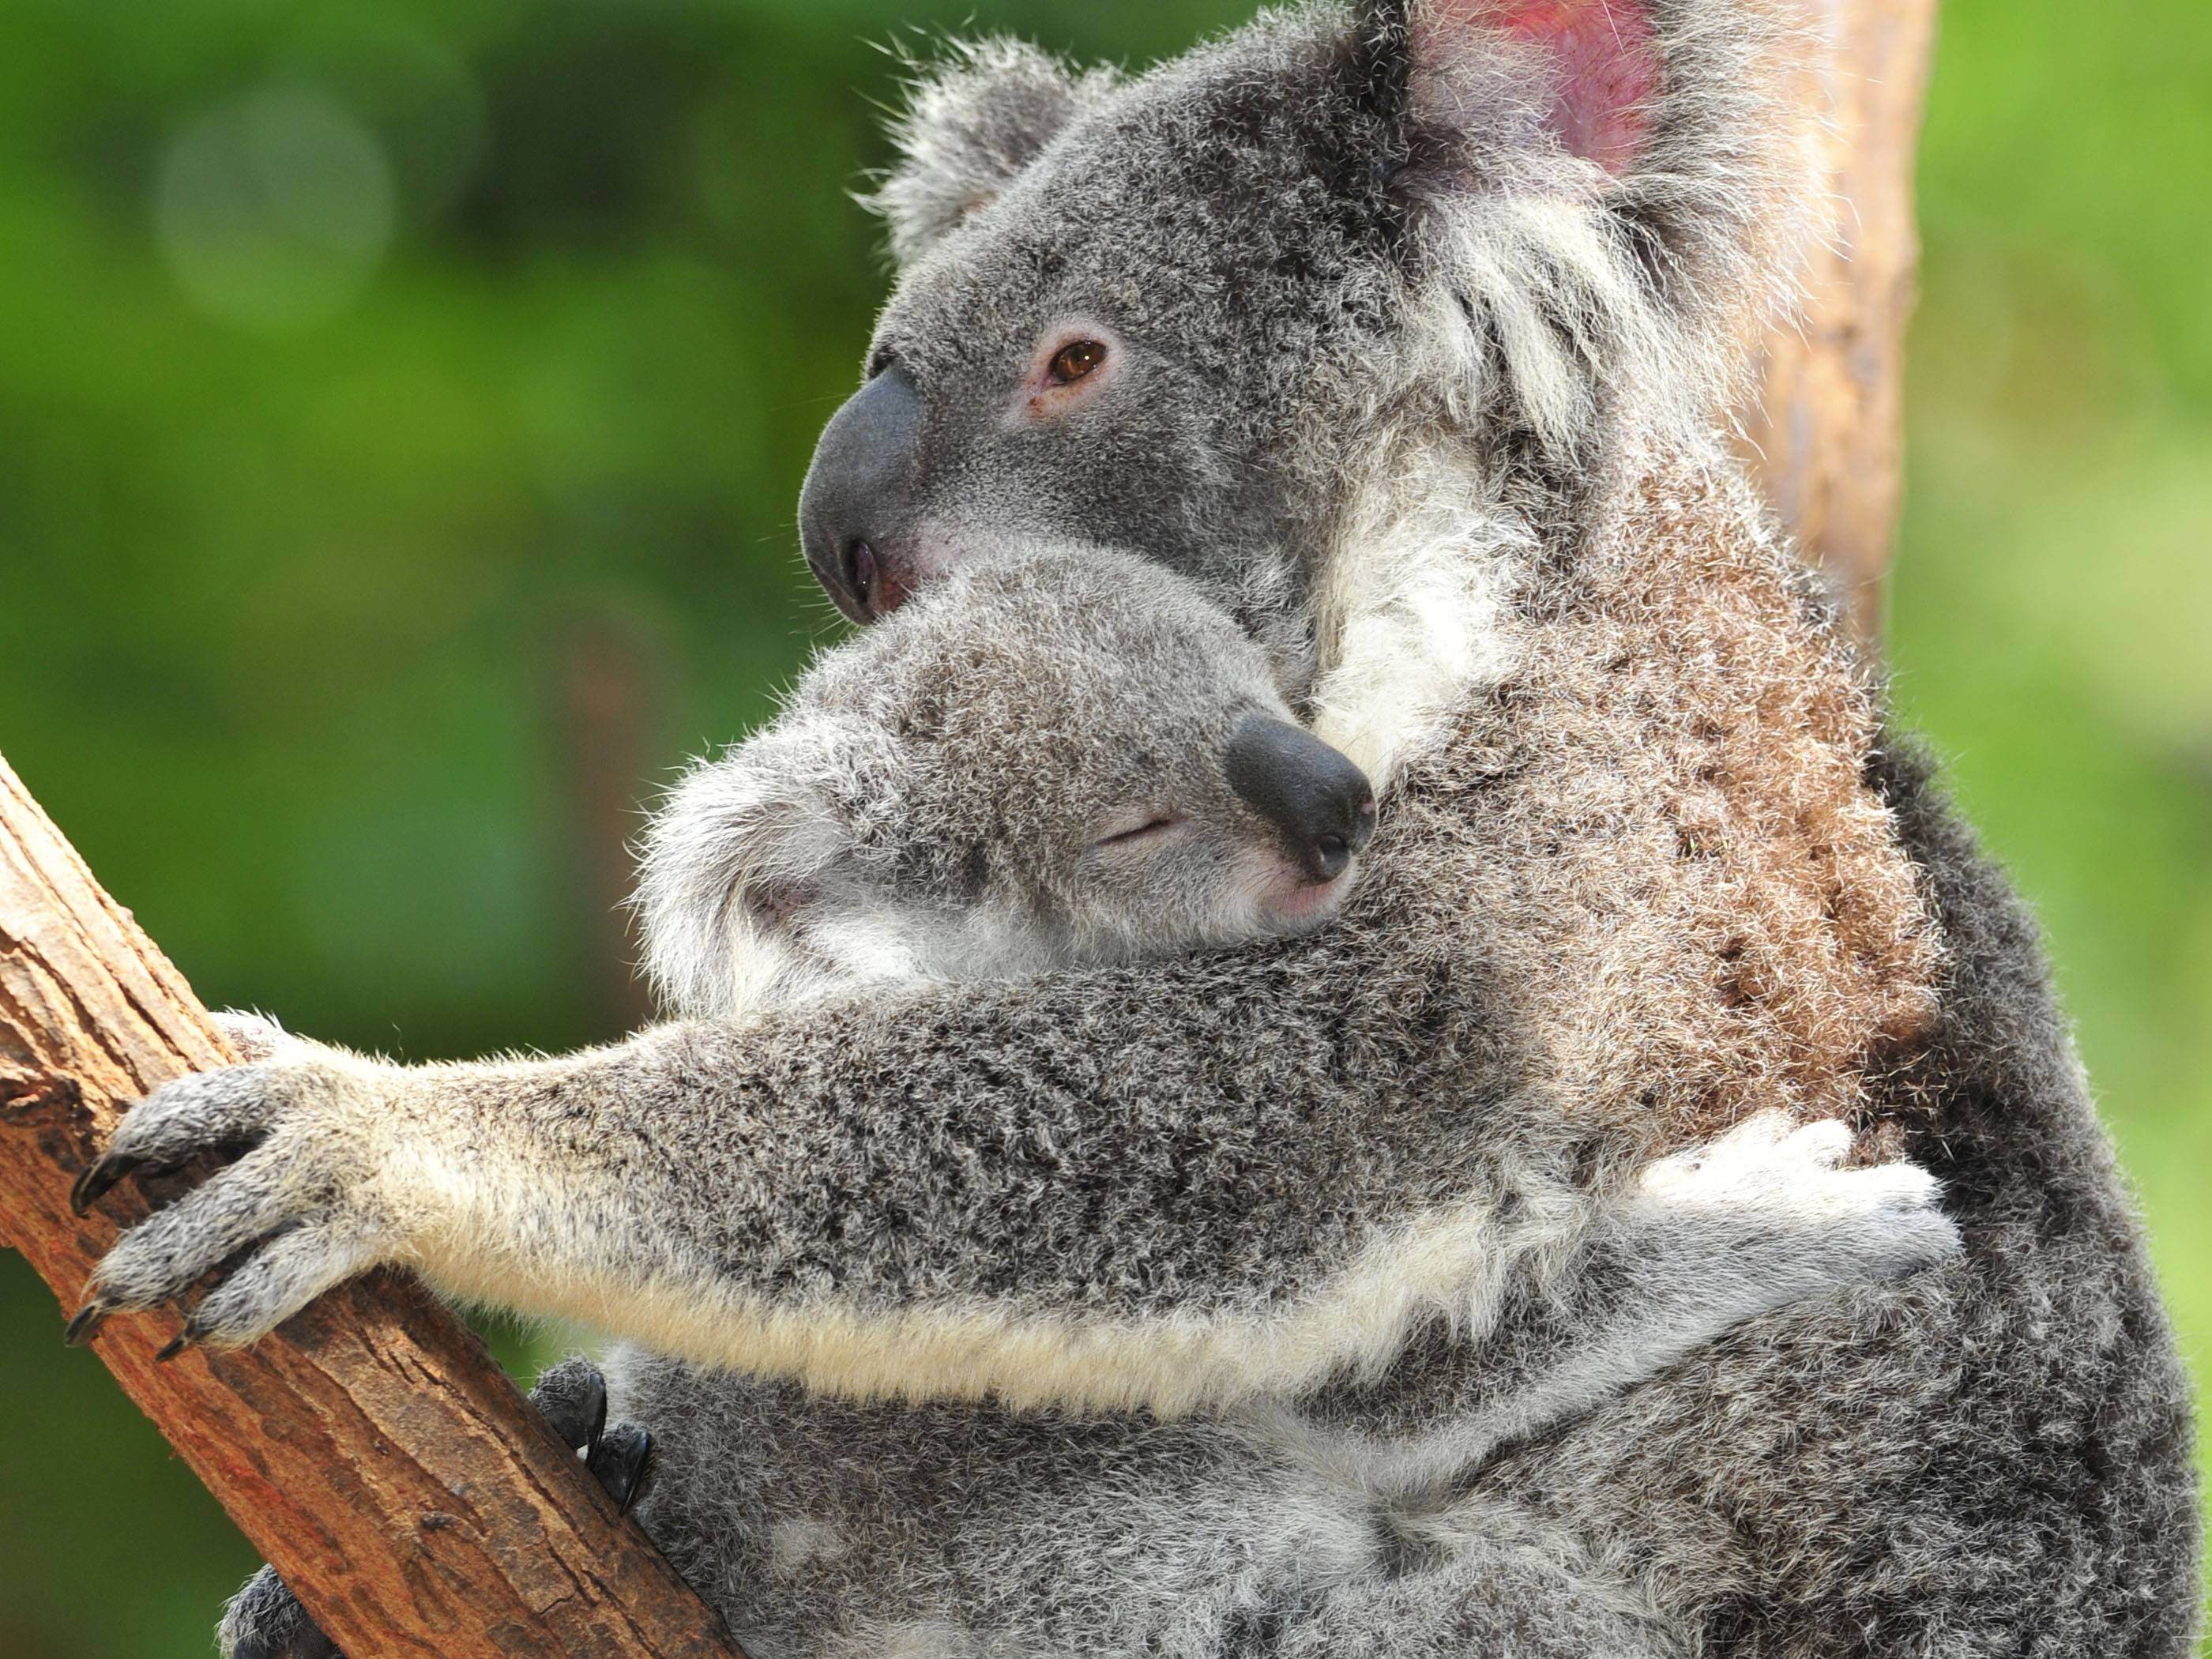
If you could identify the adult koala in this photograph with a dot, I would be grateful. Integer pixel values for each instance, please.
(1406, 331)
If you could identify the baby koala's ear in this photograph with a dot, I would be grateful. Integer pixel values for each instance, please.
(743, 846)
(971, 123)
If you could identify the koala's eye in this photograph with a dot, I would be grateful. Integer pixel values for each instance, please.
(1075, 361)
(1138, 835)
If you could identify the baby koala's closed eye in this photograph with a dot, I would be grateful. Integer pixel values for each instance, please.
(1053, 758)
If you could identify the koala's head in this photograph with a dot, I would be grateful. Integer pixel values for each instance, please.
(1040, 762)
(1171, 314)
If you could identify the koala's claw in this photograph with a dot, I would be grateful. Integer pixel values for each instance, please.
(86, 1324)
(100, 1177)
(572, 1396)
(621, 1462)
(290, 1218)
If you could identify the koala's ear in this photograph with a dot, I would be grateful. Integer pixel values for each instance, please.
(1619, 189)
(1595, 66)
(1681, 106)
(972, 122)
(740, 847)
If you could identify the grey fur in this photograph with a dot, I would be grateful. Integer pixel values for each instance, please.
(1997, 1459)
(935, 791)
(928, 810)
(1428, 402)
(1303, 247)
(935, 803)
(976, 121)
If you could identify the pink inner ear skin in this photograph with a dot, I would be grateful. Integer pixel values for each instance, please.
(1608, 64)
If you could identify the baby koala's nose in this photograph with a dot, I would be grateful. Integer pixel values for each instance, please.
(1320, 802)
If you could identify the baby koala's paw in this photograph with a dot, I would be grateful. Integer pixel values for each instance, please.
(573, 1398)
(265, 1621)
(257, 1037)
(297, 1212)
(1775, 1197)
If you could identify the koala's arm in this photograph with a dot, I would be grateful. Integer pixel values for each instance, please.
(1766, 1216)
(1166, 1185)
(1163, 1183)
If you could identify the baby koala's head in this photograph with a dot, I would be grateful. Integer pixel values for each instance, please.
(1042, 760)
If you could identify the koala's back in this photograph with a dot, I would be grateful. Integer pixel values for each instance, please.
(1995, 1459)
(1992, 1459)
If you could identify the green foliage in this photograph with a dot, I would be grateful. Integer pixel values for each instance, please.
(401, 407)
(2053, 594)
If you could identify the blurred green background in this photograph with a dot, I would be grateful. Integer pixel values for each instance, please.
(402, 410)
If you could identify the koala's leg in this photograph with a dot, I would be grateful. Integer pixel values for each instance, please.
(265, 1621)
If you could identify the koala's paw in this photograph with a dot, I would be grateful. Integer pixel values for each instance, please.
(572, 1397)
(265, 1621)
(256, 1037)
(1777, 1195)
(294, 1215)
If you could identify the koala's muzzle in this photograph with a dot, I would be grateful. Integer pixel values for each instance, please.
(855, 509)
(1320, 802)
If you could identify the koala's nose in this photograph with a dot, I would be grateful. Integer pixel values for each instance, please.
(1320, 802)
(854, 508)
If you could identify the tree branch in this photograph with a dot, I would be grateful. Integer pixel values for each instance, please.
(1830, 429)
(371, 1450)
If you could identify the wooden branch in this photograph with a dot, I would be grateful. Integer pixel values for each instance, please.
(1830, 429)
(372, 1450)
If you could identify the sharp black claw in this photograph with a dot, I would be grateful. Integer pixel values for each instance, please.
(100, 1175)
(176, 1345)
(639, 1471)
(621, 1463)
(86, 1323)
(573, 1396)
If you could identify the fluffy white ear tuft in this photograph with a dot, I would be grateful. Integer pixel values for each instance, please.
(1597, 67)
(740, 849)
(1618, 192)
(1604, 60)
(973, 122)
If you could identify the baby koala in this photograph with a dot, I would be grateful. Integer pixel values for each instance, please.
(1055, 758)
(1058, 758)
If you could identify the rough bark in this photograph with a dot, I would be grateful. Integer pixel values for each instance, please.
(1829, 430)
(371, 1449)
